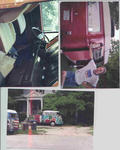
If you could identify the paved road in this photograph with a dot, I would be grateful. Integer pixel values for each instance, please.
(56, 138)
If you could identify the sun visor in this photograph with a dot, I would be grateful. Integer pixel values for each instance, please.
(7, 36)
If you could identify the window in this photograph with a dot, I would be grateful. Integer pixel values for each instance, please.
(50, 18)
(93, 17)
(97, 54)
(10, 115)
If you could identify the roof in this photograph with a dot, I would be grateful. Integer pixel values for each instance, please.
(33, 95)
(50, 111)
(11, 111)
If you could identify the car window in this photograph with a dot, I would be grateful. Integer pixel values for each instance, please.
(50, 18)
(12, 115)
(93, 17)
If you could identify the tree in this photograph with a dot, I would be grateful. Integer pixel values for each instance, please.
(50, 15)
(12, 93)
(114, 11)
(76, 107)
(111, 78)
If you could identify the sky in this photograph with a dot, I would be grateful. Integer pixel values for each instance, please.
(117, 35)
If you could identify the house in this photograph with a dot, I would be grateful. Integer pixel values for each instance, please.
(31, 101)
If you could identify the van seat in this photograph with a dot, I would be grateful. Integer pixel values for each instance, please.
(6, 64)
(20, 24)
(7, 36)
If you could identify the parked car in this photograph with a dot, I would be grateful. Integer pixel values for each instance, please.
(81, 25)
(12, 121)
(49, 117)
(28, 44)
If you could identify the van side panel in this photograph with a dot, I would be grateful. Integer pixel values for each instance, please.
(73, 25)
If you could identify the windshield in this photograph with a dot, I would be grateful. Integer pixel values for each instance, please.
(50, 18)
(93, 17)
(12, 115)
(52, 113)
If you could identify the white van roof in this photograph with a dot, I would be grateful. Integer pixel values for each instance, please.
(11, 111)
(50, 111)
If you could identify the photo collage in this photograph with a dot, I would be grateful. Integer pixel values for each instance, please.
(59, 75)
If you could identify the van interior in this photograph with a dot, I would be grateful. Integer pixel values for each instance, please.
(29, 46)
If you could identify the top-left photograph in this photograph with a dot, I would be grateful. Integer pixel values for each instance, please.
(29, 43)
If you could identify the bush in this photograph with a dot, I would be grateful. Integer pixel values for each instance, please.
(22, 116)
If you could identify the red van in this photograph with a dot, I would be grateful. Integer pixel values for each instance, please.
(82, 24)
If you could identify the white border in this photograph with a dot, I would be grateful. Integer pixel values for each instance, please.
(3, 117)
(107, 120)
(106, 112)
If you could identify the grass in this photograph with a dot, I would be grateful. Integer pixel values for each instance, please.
(39, 130)
(42, 132)
(34, 132)
(79, 126)
(20, 131)
(44, 127)
(91, 130)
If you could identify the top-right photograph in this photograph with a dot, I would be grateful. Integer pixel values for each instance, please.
(89, 44)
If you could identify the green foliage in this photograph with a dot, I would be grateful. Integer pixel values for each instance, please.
(71, 105)
(111, 78)
(22, 116)
(13, 93)
(34, 132)
(50, 16)
(12, 103)
(114, 11)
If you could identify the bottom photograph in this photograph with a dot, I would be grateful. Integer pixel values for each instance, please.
(50, 120)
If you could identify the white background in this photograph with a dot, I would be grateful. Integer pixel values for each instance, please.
(107, 120)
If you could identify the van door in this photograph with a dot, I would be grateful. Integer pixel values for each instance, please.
(73, 25)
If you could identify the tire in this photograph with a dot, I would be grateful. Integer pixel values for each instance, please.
(52, 123)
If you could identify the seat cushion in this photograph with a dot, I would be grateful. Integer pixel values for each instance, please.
(6, 64)
(20, 24)
(7, 36)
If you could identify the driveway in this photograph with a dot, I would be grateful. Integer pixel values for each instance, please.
(54, 138)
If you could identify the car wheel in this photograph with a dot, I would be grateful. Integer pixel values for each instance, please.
(52, 123)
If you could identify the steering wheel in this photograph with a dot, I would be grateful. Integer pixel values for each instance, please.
(39, 34)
